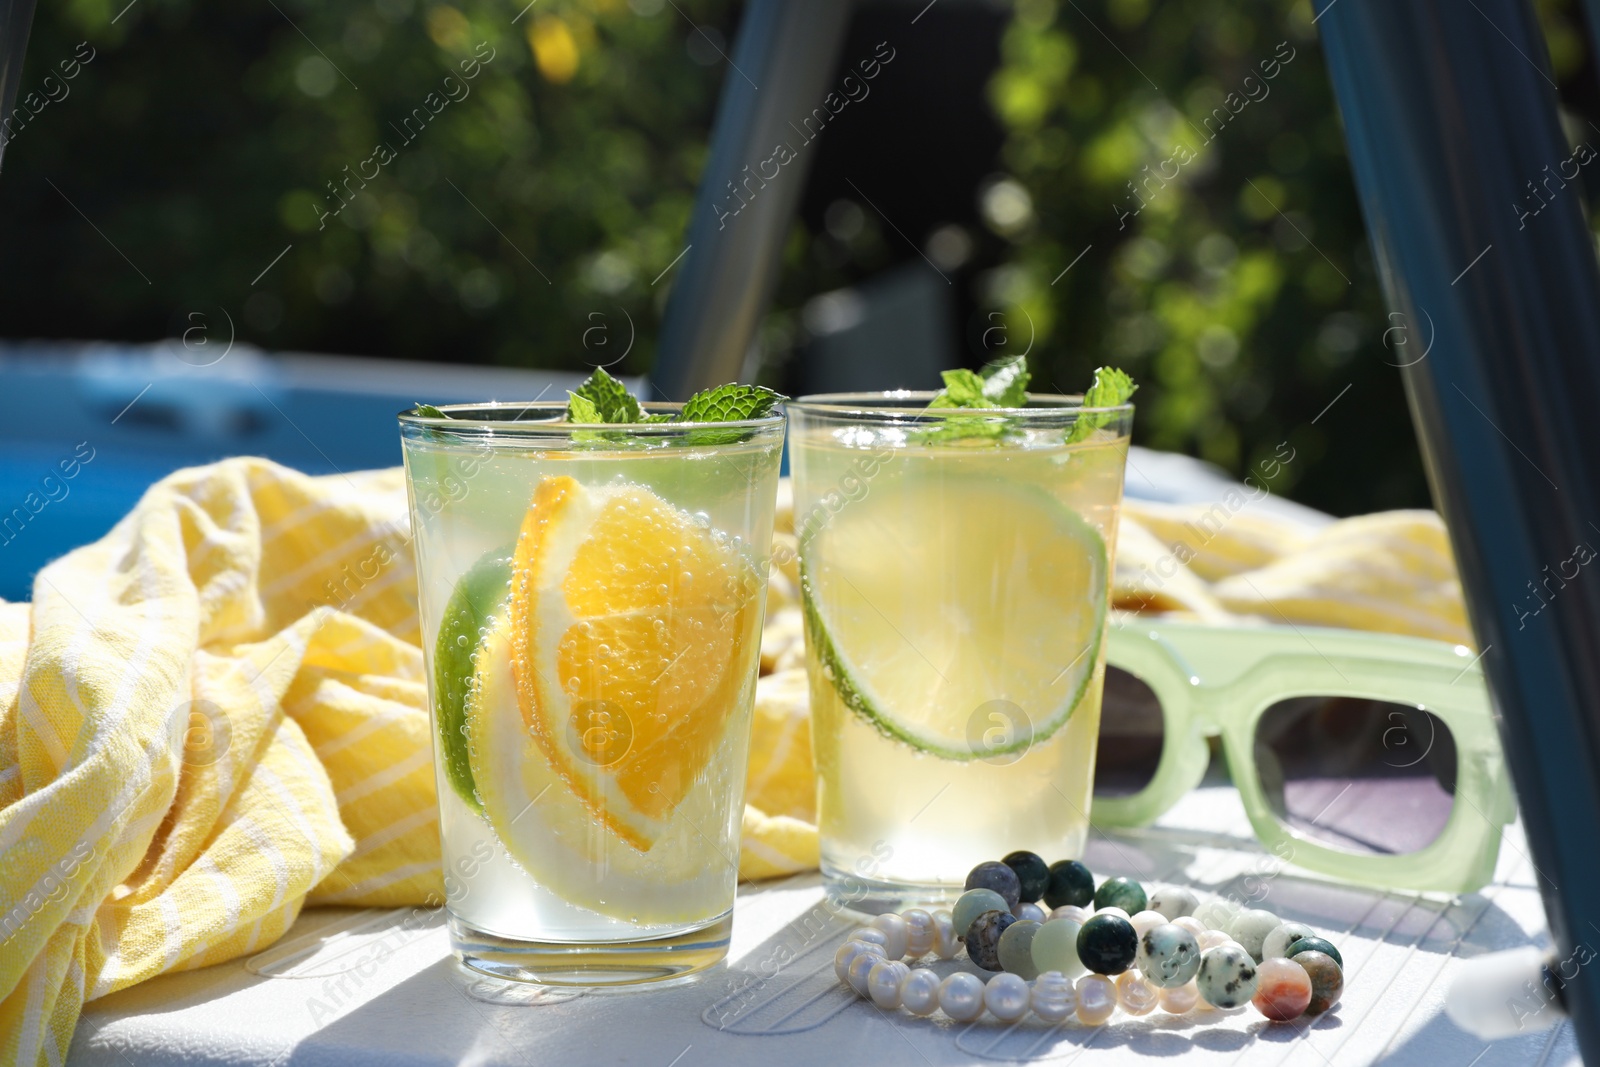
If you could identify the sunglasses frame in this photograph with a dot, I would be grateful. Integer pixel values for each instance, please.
(1218, 681)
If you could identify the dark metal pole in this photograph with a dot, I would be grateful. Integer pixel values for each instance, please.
(16, 16)
(1470, 199)
(786, 52)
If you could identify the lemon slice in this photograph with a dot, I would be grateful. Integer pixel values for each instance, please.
(635, 631)
(551, 834)
(934, 603)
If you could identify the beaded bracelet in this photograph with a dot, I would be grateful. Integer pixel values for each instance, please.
(1172, 951)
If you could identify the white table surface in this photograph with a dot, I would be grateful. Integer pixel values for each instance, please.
(379, 988)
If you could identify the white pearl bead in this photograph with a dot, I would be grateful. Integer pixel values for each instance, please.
(860, 967)
(1097, 999)
(1026, 910)
(945, 945)
(894, 932)
(1113, 911)
(1191, 924)
(847, 954)
(1054, 997)
(919, 993)
(1135, 993)
(883, 983)
(961, 996)
(1070, 911)
(1180, 999)
(872, 935)
(1006, 996)
(920, 932)
(1147, 920)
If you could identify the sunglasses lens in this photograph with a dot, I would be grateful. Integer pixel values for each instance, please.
(1364, 776)
(1132, 732)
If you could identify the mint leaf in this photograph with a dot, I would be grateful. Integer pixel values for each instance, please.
(962, 389)
(1111, 388)
(730, 403)
(1005, 382)
(428, 411)
(608, 398)
(582, 410)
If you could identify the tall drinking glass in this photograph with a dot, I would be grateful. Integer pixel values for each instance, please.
(591, 602)
(956, 567)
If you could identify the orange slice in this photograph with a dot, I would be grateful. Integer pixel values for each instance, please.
(634, 633)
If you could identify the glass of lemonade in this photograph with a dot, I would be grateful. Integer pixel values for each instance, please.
(591, 602)
(956, 567)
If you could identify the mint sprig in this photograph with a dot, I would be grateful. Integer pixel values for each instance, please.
(603, 400)
(428, 411)
(1111, 388)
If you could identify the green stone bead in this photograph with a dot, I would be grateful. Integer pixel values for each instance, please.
(1122, 893)
(1327, 980)
(1055, 948)
(1107, 944)
(1315, 944)
(973, 903)
(1070, 883)
(1016, 948)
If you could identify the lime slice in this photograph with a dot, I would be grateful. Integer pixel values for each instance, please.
(476, 597)
(561, 844)
(940, 607)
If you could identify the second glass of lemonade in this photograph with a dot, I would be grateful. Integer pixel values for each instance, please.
(956, 569)
(591, 603)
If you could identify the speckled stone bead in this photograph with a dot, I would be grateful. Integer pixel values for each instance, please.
(1070, 911)
(961, 996)
(1016, 949)
(1250, 928)
(1283, 989)
(1327, 979)
(1174, 901)
(1315, 944)
(1146, 919)
(1168, 955)
(1227, 976)
(1135, 994)
(970, 905)
(1107, 944)
(883, 983)
(1026, 910)
(983, 938)
(1054, 997)
(1216, 913)
(1070, 883)
(1097, 999)
(945, 942)
(1191, 924)
(1278, 942)
(998, 877)
(895, 935)
(919, 993)
(1007, 997)
(1055, 948)
(919, 932)
(1033, 873)
(1180, 999)
(848, 952)
(1122, 893)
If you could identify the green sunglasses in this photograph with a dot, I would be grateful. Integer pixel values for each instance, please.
(1372, 757)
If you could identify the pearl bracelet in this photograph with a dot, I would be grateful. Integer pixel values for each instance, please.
(1187, 954)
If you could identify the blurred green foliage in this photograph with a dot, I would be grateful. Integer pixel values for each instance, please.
(528, 220)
